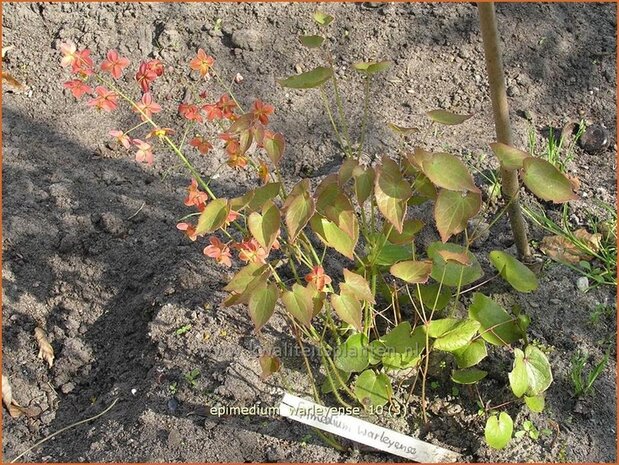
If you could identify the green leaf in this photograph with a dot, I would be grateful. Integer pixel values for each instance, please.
(538, 369)
(535, 403)
(299, 303)
(353, 355)
(451, 273)
(546, 181)
(334, 205)
(269, 364)
(245, 283)
(437, 328)
(329, 233)
(323, 19)
(448, 172)
(409, 230)
(412, 271)
(432, 298)
(518, 275)
(326, 387)
(452, 211)
(389, 254)
(468, 375)
(497, 326)
(311, 41)
(274, 147)
(372, 67)
(262, 305)
(403, 348)
(402, 130)
(213, 216)
(264, 227)
(518, 378)
(499, 430)
(471, 354)
(510, 157)
(298, 213)
(391, 192)
(348, 308)
(446, 117)
(372, 389)
(309, 79)
(357, 285)
(347, 170)
(458, 336)
(364, 183)
(262, 195)
(376, 350)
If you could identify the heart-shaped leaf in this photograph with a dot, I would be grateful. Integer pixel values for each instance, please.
(518, 275)
(498, 431)
(468, 375)
(299, 303)
(539, 373)
(372, 389)
(372, 67)
(329, 233)
(311, 41)
(448, 172)
(389, 254)
(402, 348)
(353, 355)
(518, 378)
(433, 296)
(447, 117)
(412, 271)
(471, 354)
(364, 183)
(213, 216)
(452, 211)
(510, 157)
(309, 79)
(347, 170)
(409, 230)
(458, 336)
(269, 364)
(299, 211)
(497, 326)
(262, 195)
(245, 283)
(546, 181)
(264, 227)
(348, 308)
(391, 192)
(450, 273)
(357, 285)
(535, 403)
(262, 305)
(323, 19)
(274, 146)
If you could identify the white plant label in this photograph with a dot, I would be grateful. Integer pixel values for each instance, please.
(332, 421)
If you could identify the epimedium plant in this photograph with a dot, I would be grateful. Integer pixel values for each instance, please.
(389, 308)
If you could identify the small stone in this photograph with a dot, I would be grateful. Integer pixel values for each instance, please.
(555, 301)
(513, 91)
(67, 387)
(594, 139)
(582, 284)
(134, 391)
(534, 304)
(246, 39)
(173, 405)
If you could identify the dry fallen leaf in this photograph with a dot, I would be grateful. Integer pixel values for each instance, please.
(6, 49)
(15, 410)
(46, 352)
(457, 257)
(560, 248)
(13, 84)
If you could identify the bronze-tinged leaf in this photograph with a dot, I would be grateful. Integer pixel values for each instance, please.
(410, 229)
(412, 271)
(392, 192)
(461, 258)
(546, 181)
(347, 170)
(357, 285)
(299, 208)
(300, 303)
(402, 131)
(213, 216)
(333, 236)
(46, 351)
(262, 305)
(452, 211)
(447, 117)
(265, 227)
(349, 309)
(510, 157)
(269, 364)
(311, 41)
(309, 79)
(274, 147)
(448, 172)
(364, 183)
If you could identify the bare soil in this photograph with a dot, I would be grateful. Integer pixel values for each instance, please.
(91, 252)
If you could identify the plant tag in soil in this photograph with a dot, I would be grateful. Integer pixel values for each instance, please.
(333, 421)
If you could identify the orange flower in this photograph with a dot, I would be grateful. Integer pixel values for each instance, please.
(77, 87)
(318, 277)
(106, 100)
(201, 144)
(195, 197)
(219, 251)
(144, 153)
(190, 111)
(202, 62)
(146, 107)
(114, 64)
(188, 229)
(262, 111)
(263, 172)
(121, 138)
(227, 106)
(232, 216)
(251, 251)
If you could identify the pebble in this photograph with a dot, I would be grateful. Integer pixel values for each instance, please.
(67, 387)
(246, 39)
(173, 405)
(582, 284)
(594, 139)
(555, 301)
